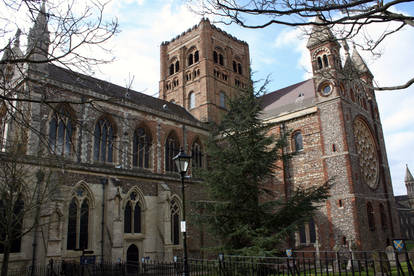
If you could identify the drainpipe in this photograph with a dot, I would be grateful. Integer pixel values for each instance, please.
(40, 176)
(104, 181)
(286, 174)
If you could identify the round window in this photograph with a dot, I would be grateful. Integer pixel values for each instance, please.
(326, 89)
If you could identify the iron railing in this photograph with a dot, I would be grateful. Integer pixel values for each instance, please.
(304, 263)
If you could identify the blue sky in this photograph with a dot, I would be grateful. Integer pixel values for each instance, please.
(276, 51)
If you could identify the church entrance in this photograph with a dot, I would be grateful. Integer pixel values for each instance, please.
(132, 259)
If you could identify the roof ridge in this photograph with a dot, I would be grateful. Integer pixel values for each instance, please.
(286, 87)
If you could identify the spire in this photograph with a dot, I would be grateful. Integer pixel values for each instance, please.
(408, 176)
(38, 38)
(346, 48)
(16, 45)
(320, 34)
(359, 63)
(17, 38)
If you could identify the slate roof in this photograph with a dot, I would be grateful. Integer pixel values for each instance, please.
(287, 99)
(112, 90)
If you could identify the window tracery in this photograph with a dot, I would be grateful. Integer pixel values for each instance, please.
(78, 220)
(197, 155)
(172, 147)
(104, 139)
(367, 153)
(132, 214)
(61, 132)
(175, 214)
(142, 148)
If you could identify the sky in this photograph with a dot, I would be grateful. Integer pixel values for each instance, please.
(278, 52)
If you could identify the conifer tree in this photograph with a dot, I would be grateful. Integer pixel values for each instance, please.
(244, 212)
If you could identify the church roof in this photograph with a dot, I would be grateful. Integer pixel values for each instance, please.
(292, 98)
(408, 176)
(118, 92)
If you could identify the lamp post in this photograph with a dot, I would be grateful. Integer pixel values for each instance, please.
(181, 161)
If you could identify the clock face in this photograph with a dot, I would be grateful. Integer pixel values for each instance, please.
(367, 153)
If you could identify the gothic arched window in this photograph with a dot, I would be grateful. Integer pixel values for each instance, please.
(190, 59)
(239, 69)
(175, 222)
(172, 148)
(171, 69)
(325, 61)
(297, 141)
(104, 138)
(141, 148)
(234, 66)
(221, 59)
(84, 225)
(197, 155)
(191, 100)
(319, 59)
(383, 217)
(61, 132)
(72, 225)
(312, 231)
(132, 214)
(215, 57)
(196, 57)
(177, 66)
(371, 218)
(78, 221)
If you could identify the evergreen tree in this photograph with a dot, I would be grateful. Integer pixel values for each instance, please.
(246, 215)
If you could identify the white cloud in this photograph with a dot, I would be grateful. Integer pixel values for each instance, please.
(137, 47)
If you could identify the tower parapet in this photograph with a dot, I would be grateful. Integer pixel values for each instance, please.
(201, 68)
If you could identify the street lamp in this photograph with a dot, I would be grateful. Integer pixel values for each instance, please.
(181, 161)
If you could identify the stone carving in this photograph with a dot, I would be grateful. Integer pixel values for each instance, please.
(367, 152)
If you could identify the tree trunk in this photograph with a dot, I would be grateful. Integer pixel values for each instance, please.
(6, 254)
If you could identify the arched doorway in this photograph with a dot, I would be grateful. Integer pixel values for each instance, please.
(132, 259)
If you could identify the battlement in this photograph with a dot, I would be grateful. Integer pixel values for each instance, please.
(203, 21)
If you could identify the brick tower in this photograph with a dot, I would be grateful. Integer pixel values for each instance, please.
(201, 68)
(360, 208)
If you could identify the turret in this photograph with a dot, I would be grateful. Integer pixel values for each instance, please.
(325, 57)
(409, 184)
(39, 39)
(7, 67)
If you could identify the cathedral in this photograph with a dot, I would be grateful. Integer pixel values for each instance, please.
(120, 196)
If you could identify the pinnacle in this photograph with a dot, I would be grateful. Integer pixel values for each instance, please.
(359, 63)
(408, 175)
